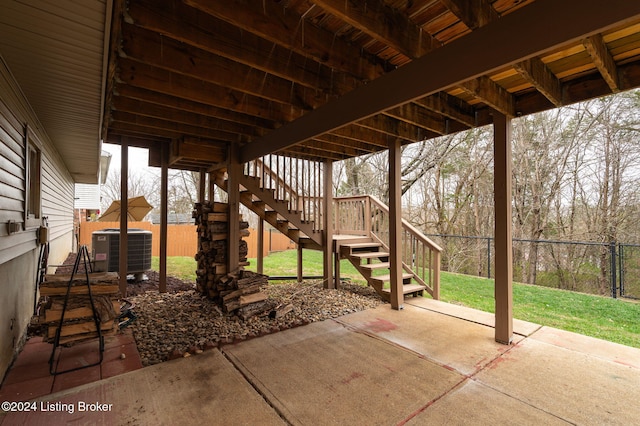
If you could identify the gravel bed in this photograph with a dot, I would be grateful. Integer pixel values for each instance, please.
(183, 323)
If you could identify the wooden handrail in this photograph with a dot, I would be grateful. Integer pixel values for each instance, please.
(408, 226)
(421, 256)
(385, 208)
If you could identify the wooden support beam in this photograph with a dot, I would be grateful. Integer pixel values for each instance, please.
(427, 121)
(144, 76)
(167, 125)
(137, 107)
(327, 225)
(474, 14)
(202, 186)
(519, 35)
(260, 248)
(124, 197)
(450, 106)
(299, 264)
(211, 187)
(165, 53)
(395, 128)
(539, 75)
(383, 23)
(266, 20)
(395, 224)
(164, 210)
(603, 60)
(233, 193)
(491, 94)
(200, 108)
(189, 148)
(503, 237)
(186, 24)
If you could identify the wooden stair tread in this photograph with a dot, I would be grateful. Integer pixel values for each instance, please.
(407, 288)
(387, 277)
(370, 254)
(379, 265)
(360, 245)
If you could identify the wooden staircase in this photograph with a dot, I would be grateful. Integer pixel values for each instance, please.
(372, 261)
(274, 211)
(287, 194)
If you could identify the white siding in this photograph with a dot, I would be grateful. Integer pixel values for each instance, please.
(87, 196)
(57, 184)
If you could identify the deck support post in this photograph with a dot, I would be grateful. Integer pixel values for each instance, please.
(395, 224)
(164, 189)
(300, 272)
(202, 186)
(260, 248)
(327, 225)
(233, 198)
(503, 237)
(124, 198)
(211, 187)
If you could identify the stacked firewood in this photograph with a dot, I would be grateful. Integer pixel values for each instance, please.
(240, 293)
(78, 322)
(236, 291)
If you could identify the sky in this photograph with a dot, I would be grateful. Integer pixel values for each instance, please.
(138, 157)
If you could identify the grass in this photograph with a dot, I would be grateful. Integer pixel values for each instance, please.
(183, 267)
(610, 319)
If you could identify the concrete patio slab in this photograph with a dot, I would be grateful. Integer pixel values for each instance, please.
(474, 404)
(577, 387)
(205, 389)
(324, 373)
(523, 328)
(610, 351)
(456, 343)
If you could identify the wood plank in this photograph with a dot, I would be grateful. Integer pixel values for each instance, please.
(383, 23)
(539, 75)
(79, 328)
(76, 313)
(267, 20)
(601, 56)
(252, 298)
(80, 290)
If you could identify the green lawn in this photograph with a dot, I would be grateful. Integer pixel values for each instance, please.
(182, 267)
(615, 320)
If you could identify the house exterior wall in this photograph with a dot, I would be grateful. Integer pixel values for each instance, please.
(18, 245)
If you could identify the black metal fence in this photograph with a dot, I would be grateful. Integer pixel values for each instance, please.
(597, 268)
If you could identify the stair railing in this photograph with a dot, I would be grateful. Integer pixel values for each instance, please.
(296, 181)
(366, 215)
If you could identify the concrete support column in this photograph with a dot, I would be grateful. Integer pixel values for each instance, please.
(124, 198)
(164, 189)
(503, 237)
(395, 224)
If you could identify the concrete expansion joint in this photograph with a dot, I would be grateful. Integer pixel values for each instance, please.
(255, 387)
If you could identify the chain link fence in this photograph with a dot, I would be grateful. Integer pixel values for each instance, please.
(611, 269)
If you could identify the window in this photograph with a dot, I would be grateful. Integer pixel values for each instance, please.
(33, 185)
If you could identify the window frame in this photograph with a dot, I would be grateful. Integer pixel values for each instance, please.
(33, 182)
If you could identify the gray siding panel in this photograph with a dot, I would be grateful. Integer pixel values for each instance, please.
(57, 186)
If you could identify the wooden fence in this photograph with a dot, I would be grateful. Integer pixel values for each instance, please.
(182, 240)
